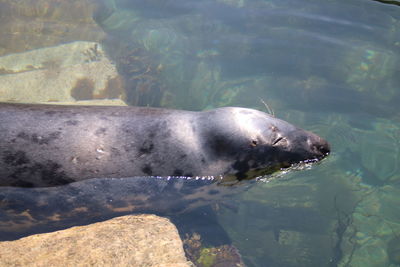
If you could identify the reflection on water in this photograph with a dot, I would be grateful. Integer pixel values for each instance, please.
(329, 67)
(34, 210)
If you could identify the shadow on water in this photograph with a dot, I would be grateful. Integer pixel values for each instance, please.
(25, 211)
(286, 222)
(396, 3)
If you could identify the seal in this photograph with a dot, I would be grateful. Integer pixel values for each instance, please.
(49, 145)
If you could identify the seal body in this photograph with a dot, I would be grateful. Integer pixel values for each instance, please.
(48, 145)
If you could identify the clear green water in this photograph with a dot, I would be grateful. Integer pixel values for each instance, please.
(331, 67)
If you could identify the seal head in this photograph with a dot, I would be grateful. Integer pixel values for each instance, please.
(248, 142)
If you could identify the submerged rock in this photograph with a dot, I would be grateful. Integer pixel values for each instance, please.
(68, 72)
(202, 256)
(31, 24)
(142, 240)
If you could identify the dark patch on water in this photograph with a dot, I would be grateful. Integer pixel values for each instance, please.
(213, 192)
(204, 222)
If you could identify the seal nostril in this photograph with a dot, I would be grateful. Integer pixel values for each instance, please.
(324, 149)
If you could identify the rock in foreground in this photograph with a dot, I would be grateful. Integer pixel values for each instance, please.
(142, 240)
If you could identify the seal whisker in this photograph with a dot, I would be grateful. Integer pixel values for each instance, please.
(270, 111)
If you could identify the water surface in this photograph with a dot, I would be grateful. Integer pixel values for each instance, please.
(331, 67)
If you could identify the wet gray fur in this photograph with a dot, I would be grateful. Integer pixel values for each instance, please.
(49, 145)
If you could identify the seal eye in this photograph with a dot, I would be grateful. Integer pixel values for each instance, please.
(277, 140)
(254, 143)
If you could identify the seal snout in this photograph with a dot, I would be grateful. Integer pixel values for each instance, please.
(319, 146)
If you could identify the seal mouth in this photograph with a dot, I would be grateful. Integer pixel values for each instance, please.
(320, 154)
(303, 164)
(319, 149)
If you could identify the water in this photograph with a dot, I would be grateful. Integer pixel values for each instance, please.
(331, 67)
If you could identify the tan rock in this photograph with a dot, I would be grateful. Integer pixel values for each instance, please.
(64, 73)
(31, 24)
(142, 240)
